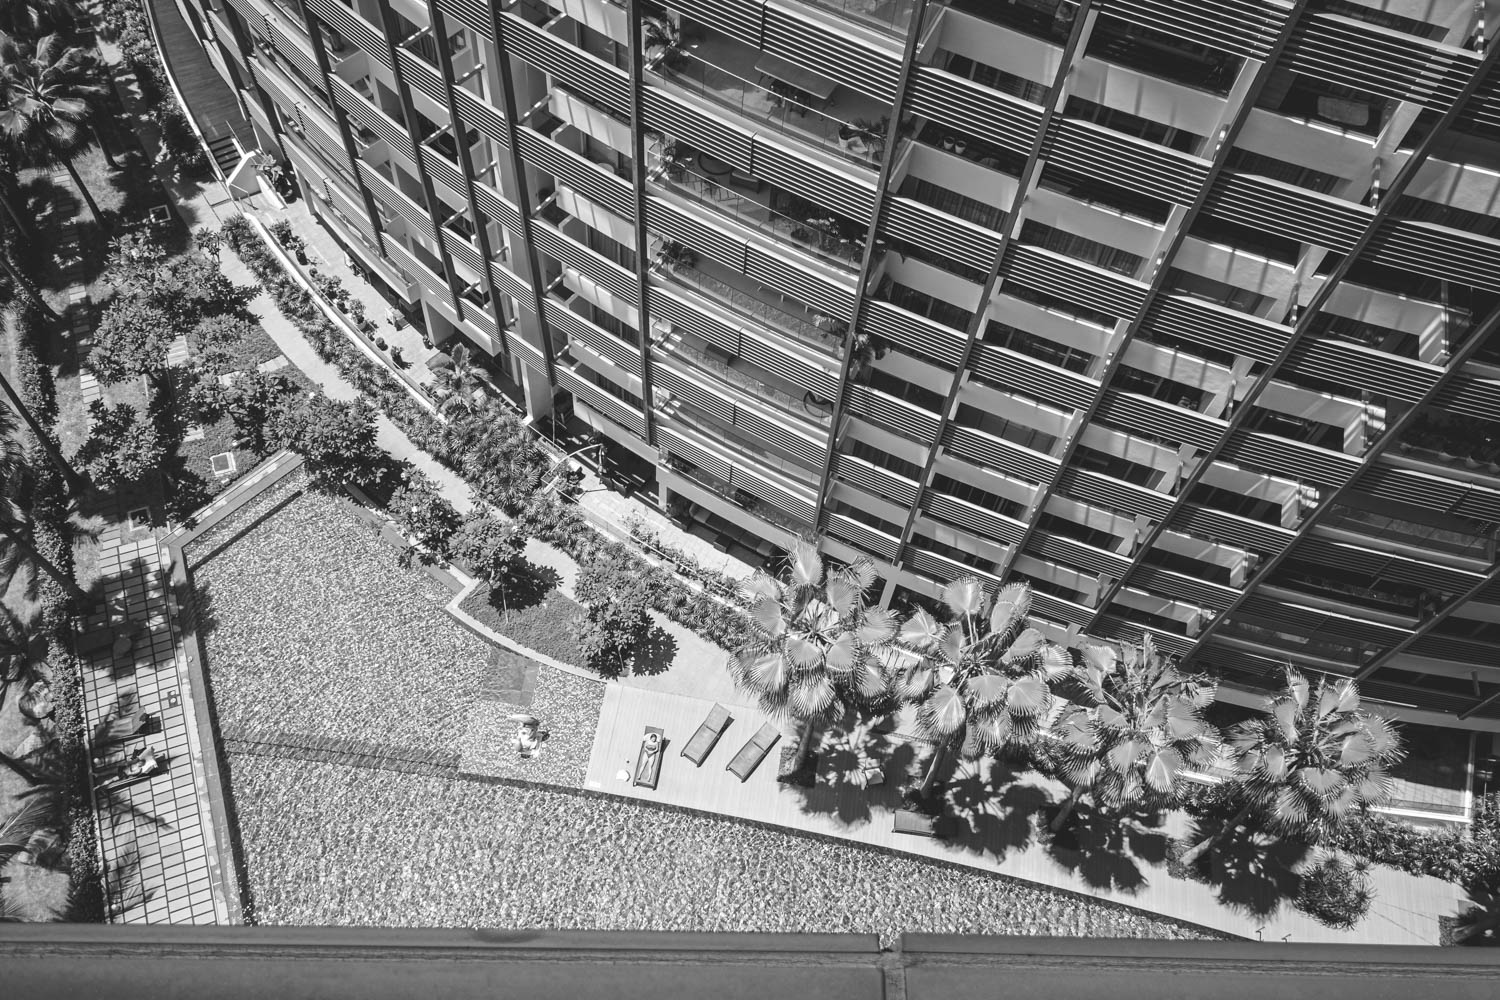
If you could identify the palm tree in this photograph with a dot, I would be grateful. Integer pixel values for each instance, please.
(983, 681)
(30, 18)
(1310, 763)
(460, 381)
(813, 647)
(1140, 730)
(13, 476)
(47, 93)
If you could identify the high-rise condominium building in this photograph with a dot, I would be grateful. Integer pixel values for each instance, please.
(1183, 311)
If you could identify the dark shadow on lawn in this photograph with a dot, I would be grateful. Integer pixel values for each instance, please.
(1104, 848)
(654, 653)
(527, 587)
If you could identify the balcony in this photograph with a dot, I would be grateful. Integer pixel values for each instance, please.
(784, 217)
(837, 120)
(718, 365)
(747, 297)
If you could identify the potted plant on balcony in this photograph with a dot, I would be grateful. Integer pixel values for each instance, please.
(674, 255)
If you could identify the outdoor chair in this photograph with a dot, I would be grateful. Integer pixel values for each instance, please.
(648, 762)
(121, 727)
(752, 753)
(707, 737)
(914, 823)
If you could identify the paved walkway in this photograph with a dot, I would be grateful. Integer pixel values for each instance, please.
(992, 832)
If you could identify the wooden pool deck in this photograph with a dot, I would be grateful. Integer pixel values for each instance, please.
(988, 826)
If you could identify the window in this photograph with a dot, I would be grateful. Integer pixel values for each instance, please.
(1254, 508)
(1080, 248)
(1070, 358)
(1078, 532)
(1246, 162)
(1052, 302)
(1112, 465)
(955, 204)
(884, 459)
(1218, 292)
(997, 79)
(979, 497)
(1134, 125)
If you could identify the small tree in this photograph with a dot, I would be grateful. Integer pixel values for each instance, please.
(132, 340)
(335, 439)
(121, 448)
(493, 549)
(1310, 764)
(187, 287)
(217, 341)
(1335, 892)
(251, 401)
(1140, 728)
(615, 599)
(424, 517)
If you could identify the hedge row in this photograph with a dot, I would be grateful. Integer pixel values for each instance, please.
(1469, 858)
(540, 515)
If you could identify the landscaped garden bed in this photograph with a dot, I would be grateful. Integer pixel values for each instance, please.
(539, 621)
(326, 844)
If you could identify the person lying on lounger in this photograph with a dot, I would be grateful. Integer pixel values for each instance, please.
(141, 763)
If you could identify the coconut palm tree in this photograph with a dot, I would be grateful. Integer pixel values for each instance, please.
(1139, 729)
(1310, 763)
(813, 647)
(47, 93)
(460, 381)
(984, 680)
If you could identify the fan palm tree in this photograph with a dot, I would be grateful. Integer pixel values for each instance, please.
(47, 93)
(1311, 762)
(1141, 728)
(813, 647)
(983, 681)
(31, 18)
(14, 475)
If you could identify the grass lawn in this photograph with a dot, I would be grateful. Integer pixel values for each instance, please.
(533, 614)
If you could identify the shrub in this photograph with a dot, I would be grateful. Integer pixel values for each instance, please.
(132, 340)
(335, 439)
(1469, 858)
(614, 620)
(424, 516)
(491, 549)
(1335, 892)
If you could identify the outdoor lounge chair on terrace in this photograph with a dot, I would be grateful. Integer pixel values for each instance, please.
(648, 763)
(915, 823)
(707, 737)
(751, 754)
(121, 727)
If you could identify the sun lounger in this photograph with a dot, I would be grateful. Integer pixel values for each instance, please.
(121, 727)
(915, 823)
(648, 763)
(752, 753)
(707, 737)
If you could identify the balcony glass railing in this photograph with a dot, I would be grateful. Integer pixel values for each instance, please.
(822, 234)
(1401, 531)
(889, 15)
(788, 111)
(746, 304)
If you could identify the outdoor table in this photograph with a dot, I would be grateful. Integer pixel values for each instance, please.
(808, 82)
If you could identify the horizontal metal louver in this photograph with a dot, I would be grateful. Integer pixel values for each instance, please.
(739, 19)
(1470, 395)
(1246, 28)
(805, 376)
(575, 172)
(488, 201)
(1153, 416)
(1386, 565)
(463, 251)
(981, 112)
(1182, 587)
(686, 227)
(1363, 368)
(1481, 503)
(479, 114)
(1462, 650)
(667, 379)
(1073, 280)
(391, 198)
(293, 47)
(579, 329)
(1055, 609)
(678, 310)
(1076, 555)
(1007, 369)
(583, 73)
(867, 538)
(999, 454)
(706, 131)
(1244, 532)
(419, 76)
(1437, 251)
(887, 411)
(1426, 490)
(775, 266)
(1135, 164)
(1288, 210)
(842, 189)
(972, 517)
(1384, 62)
(442, 171)
(954, 238)
(1115, 494)
(873, 479)
(507, 282)
(765, 427)
(570, 253)
(1315, 621)
(680, 444)
(372, 118)
(1292, 459)
(472, 14)
(352, 28)
(596, 398)
(943, 569)
(817, 47)
(922, 336)
(1218, 327)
